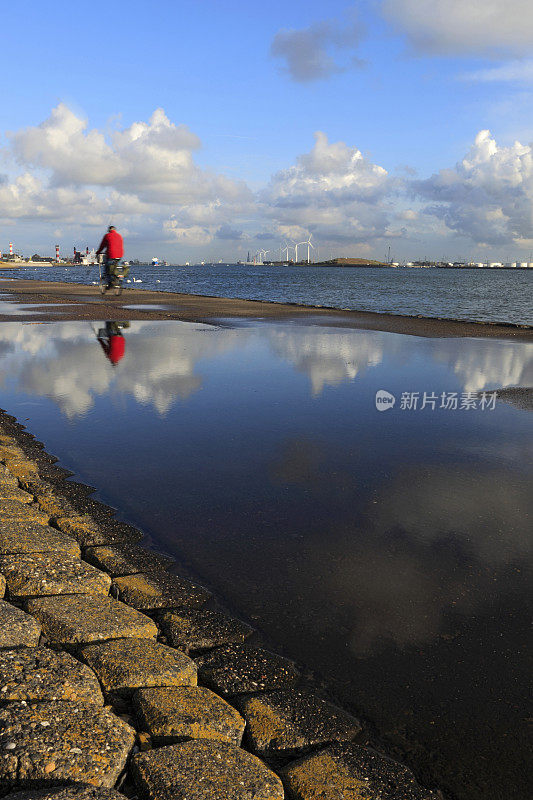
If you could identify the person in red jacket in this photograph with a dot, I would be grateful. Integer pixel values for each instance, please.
(113, 245)
(112, 341)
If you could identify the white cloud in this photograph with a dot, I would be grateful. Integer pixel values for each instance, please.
(315, 53)
(143, 178)
(512, 72)
(30, 197)
(153, 160)
(333, 191)
(488, 196)
(449, 27)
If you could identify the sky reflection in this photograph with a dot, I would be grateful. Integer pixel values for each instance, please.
(351, 536)
(60, 360)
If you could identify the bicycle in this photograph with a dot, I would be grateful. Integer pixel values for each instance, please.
(117, 273)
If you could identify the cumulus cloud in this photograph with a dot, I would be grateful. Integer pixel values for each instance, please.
(333, 191)
(488, 196)
(28, 197)
(65, 176)
(316, 52)
(143, 177)
(450, 27)
(153, 160)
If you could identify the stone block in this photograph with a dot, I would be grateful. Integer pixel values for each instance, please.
(80, 619)
(287, 722)
(36, 485)
(88, 533)
(83, 529)
(6, 478)
(11, 450)
(49, 742)
(24, 537)
(21, 467)
(40, 574)
(14, 494)
(237, 669)
(123, 665)
(125, 559)
(11, 510)
(192, 630)
(350, 772)
(147, 591)
(187, 712)
(38, 674)
(56, 507)
(80, 791)
(17, 629)
(204, 770)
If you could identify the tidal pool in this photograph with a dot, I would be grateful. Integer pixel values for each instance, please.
(389, 550)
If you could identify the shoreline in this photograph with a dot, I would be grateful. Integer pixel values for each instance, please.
(83, 302)
(298, 742)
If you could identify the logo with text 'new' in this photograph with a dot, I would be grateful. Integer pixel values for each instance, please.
(384, 400)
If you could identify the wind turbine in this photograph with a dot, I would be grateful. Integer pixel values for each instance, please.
(309, 244)
(286, 250)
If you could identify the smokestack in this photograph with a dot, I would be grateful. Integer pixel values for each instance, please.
(57, 253)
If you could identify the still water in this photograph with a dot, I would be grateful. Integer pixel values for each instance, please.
(390, 551)
(482, 295)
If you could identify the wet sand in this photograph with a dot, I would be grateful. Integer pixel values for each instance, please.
(82, 302)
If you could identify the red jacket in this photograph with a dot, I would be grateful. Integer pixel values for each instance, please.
(114, 348)
(113, 245)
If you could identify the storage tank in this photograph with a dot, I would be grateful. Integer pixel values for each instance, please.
(523, 264)
(480, 264)
(530, 265)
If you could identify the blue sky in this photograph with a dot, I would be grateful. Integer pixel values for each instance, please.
(407, 84)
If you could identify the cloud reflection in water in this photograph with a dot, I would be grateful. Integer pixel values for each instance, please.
(61, 361)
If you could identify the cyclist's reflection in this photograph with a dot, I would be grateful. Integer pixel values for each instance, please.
(112, 340)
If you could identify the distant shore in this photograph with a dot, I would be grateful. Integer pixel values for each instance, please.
(343, 263)
(76, 301)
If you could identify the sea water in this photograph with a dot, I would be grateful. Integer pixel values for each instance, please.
(481, 295)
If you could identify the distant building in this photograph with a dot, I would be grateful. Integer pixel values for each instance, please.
(37, 258)
(90, 258)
